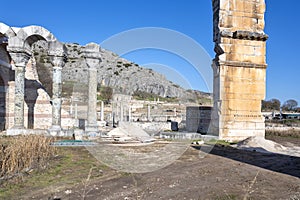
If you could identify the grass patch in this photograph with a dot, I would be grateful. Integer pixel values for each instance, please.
(292, 133)
(70, 166)
(219, 142)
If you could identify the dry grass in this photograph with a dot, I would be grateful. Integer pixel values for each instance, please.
(21, 154)
(284, 133)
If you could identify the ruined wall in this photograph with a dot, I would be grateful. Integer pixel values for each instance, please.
(239, 68)
(37, 107)
(198, 118)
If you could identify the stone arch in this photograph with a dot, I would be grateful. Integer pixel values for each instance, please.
(6, 30)
(35, 95)
(31, 34)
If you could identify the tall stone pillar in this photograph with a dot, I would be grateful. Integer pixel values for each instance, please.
(57, 54)
(20, 60)
(93, 59)
(20, 57)
(239, 68)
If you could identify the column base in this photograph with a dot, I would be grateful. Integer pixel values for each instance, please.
(16, 131)
(54, 130)
(92, 130)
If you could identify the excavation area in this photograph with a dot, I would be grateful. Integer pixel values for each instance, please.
(225, 172)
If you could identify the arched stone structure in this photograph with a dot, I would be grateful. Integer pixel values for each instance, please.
(21, 92)
(19, 48)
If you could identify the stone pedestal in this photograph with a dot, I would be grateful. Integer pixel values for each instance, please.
(239, 69)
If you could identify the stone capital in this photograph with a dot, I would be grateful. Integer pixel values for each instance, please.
(57, 62)
(57, 52)
(20, 59)
(19, 54)
(92, 55)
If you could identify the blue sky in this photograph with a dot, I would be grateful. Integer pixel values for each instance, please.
(97, 20)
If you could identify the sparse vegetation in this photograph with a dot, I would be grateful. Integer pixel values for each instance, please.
(59, 175)
(116, 73)
(19, 155)
(283, 133)
(106, 93)
(127, 65)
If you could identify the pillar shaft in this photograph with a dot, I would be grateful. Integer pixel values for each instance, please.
(92, 100)
(102, 111)
(57, 54)
(20, 58)
(19, 96)
(56, 97)
(148, 113)
(92, 58)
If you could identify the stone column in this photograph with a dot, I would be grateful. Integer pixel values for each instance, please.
(93, 59)
(121, 111)
(102, 111)
(20, 57)
(129, 113)
(148, 113)
(20, 60)
(239, 68)
(57, 55)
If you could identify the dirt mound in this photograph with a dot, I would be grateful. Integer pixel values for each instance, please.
(260, 144)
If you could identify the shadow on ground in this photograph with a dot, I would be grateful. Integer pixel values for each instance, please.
(285, 164)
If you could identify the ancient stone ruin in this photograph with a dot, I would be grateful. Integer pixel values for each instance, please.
(239, 71)
(239, 68)
(25, 104)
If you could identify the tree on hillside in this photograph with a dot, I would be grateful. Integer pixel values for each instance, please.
(106, 93)
(273, 104)
(290, 105)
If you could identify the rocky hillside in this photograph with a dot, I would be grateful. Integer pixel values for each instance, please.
(122, 75)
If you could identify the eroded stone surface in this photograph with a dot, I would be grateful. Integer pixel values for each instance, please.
(239, 68)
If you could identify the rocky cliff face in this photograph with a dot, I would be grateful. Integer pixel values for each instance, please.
(122, 75)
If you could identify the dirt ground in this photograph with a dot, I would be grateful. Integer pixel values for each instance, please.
(225, 173)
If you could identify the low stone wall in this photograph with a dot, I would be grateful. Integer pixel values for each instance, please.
(154, 127)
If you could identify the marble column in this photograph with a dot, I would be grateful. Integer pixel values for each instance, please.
(129, 113)
(121, 112)
(20, 60)
(102, 111)
(57, 54)
(92, 100)
(148, 113)
(56, 94)
(93, 58)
